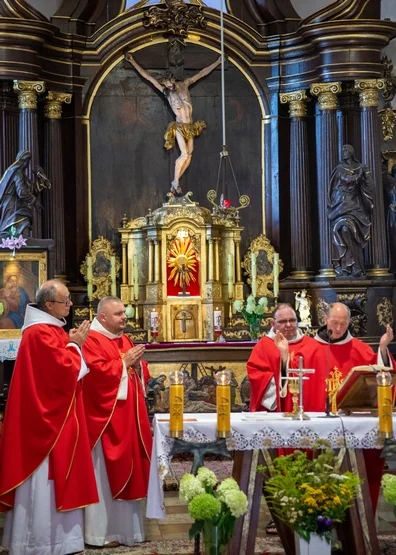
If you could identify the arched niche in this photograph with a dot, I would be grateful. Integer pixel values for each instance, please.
(130, 169)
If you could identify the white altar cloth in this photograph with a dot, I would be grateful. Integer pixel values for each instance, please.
(9, 348)
(260, 430)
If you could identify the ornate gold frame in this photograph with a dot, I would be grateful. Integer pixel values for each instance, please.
(20, 259)
(101, 278)
(261, 246)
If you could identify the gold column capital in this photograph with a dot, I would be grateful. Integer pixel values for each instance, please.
(368, 91)
(327, 94)
(27, 92)
(297, 101)
(53, 104)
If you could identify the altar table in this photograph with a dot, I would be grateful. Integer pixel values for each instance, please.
(255, 438)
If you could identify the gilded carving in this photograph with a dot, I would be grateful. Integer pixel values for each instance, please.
(368, 91)
(265, 262)
(176, 17)
(385, 312)
(81, 312)
(195, 239)
(101, 252)
(53, 104)
(27, 92)
(297, 103)
(136, 224)
(225, 212)
(389, 90)
(387, 117)
(326, 93)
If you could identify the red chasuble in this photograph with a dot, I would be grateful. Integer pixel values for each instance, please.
(45, 417)
(342, 357)
(265, 363)
(327, 359)
(122, 425)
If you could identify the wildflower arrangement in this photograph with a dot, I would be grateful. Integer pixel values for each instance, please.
(252, 311)
(212, 504)
(310, 496)
(388, 483)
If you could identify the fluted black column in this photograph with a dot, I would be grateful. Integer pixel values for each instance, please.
(327, 157)
(53, 200)
(300, 208)
(9, 117)
(28, 133)
(377, 254)
(349, 120)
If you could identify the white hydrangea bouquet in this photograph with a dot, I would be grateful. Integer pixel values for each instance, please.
(252, 313)
(213, 506)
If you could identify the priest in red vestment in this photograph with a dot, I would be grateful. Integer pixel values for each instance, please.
(46, 474)
(334, 352)
(269, 358)
(118, 427)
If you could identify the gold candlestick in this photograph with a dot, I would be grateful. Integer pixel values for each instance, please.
(176, 403)
(223, 401)
(385, 403)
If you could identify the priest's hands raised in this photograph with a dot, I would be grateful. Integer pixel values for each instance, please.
(80, 334)
(133, 356)
(384, 342)
(283, 345)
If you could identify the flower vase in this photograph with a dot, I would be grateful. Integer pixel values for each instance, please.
(317, 545)
(210, 539)
(254, 330)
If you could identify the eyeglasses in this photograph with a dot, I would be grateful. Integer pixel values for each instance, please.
(68, 302)
(286, 321)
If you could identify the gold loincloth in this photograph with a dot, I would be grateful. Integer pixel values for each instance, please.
(188, 130)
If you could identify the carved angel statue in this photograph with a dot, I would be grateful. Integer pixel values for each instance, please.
(303, 308)
(19, 195)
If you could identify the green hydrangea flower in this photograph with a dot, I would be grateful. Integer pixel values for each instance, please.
(189, 487)
(229, 484)
(206, 477)
(236, 501)
(204, 507)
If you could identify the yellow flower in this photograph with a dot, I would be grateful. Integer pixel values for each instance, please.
(337, 500)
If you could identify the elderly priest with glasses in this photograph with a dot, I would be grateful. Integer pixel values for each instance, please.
(267, 364)
(47, 474)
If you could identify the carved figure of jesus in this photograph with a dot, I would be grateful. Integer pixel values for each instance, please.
(183, 130)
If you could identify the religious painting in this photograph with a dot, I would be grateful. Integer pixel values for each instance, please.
(20, 278)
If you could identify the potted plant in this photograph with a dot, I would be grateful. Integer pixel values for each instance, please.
(214, 507)
(311, 496)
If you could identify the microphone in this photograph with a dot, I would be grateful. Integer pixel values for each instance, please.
(329, 333)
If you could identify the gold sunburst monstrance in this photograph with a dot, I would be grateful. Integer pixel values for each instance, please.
(182, 260)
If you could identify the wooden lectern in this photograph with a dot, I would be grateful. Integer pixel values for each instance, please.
(358, 392)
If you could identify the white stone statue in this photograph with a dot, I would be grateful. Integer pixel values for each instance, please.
(303, 308)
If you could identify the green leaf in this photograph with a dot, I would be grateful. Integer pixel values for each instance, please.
(196, 528)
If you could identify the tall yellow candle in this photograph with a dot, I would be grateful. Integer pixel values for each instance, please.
(223, 401)
(385, 404)
(176, 403)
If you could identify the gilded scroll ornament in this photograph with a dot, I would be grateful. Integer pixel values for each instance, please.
(321, 309)
(326, 93)
(175, 17)
(385, 312)
(388, 117)
(297, 103)
(53, 104)
(27, 92)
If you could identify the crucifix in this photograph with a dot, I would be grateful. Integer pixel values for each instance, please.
(299, 413)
